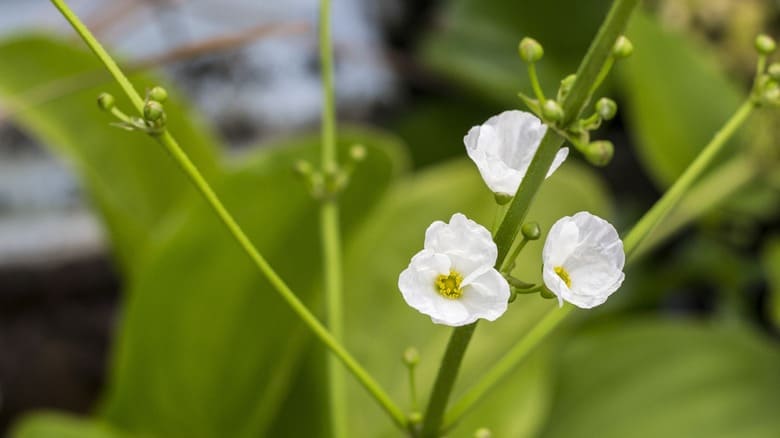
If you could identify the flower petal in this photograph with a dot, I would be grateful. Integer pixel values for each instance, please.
(469, 245)
(487, 296)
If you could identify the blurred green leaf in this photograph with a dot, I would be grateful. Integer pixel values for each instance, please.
(207, 348)
(52, 425)
(677, 98)
(667, 379)
(128, 176)
(771, 262)
(476, 44)
(380, 325)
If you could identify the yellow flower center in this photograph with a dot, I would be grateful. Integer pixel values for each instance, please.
(449, 285)
(563, 274)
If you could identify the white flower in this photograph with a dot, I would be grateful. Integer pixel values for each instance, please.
(452, 279)
(503, 147)
(583, 260)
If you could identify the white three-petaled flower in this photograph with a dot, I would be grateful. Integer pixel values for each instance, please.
(453, 279)
(503, 147)
(583, 260)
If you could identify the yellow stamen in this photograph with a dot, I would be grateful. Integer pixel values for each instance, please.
(449, 285)
(564, 275)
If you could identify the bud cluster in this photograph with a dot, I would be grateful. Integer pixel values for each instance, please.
(328, 183)
(154, 117)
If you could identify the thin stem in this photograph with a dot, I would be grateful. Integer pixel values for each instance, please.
(535, 83)
(413, 389)
(603, 73)
(646, 224)
(680, 187)
(445, 380)
(506, 364)
(192, 172)
(599, 52)
(329, 228)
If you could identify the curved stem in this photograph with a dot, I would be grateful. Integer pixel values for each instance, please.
(329, 229)
(192, 172)
(681, 186)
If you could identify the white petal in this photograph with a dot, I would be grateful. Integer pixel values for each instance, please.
(562, 239)
(469, 245)
(487, 296)
(560, 157)
(417, 282)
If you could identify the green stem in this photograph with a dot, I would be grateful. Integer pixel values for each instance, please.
(598, 54)
(445, 380)
(659, 211)
(683, 184)
(192, 172)
(329, 228)
(535, 84)
(506, 364)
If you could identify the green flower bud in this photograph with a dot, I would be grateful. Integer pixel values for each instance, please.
(415, 418)
(483, 432)
(357, 152)
(303, 168)
(774, 71)
(599, 153)
(552, 111)
(411, 357)
(159, 94)
(771, 92)
(546, 293)
(530, 50)
(154, 112)
(606, 107)
(622, 48)
(531, 230)
(565, 88)
(765, 44)
(105, 101)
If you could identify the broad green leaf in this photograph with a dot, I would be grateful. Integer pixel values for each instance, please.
(380, 325)
(206, 347)
(667, 379)
(128, 176)
(771, 264)
(476, 44)
(677, 98)
(53, 425)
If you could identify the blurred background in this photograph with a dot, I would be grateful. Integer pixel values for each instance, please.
(125, 310)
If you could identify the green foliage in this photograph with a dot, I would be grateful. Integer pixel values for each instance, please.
(51, 425)
(128, 177)
(771, 264)
(677, 97)
(477, 43)
(666, 379)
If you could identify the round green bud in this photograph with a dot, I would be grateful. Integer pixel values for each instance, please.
(531, 230)
(105, 101)
(483, 432)
(159, 94)
(774, 71)
(622, 48)
(411, 356)
(599, 153)
(765, 44)
(303, 168)
(357, 152)
(530, 50)
(153, 111)
(771, 92)
(565, 88)
(606, 107)
(415, 418)
(552, 111)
